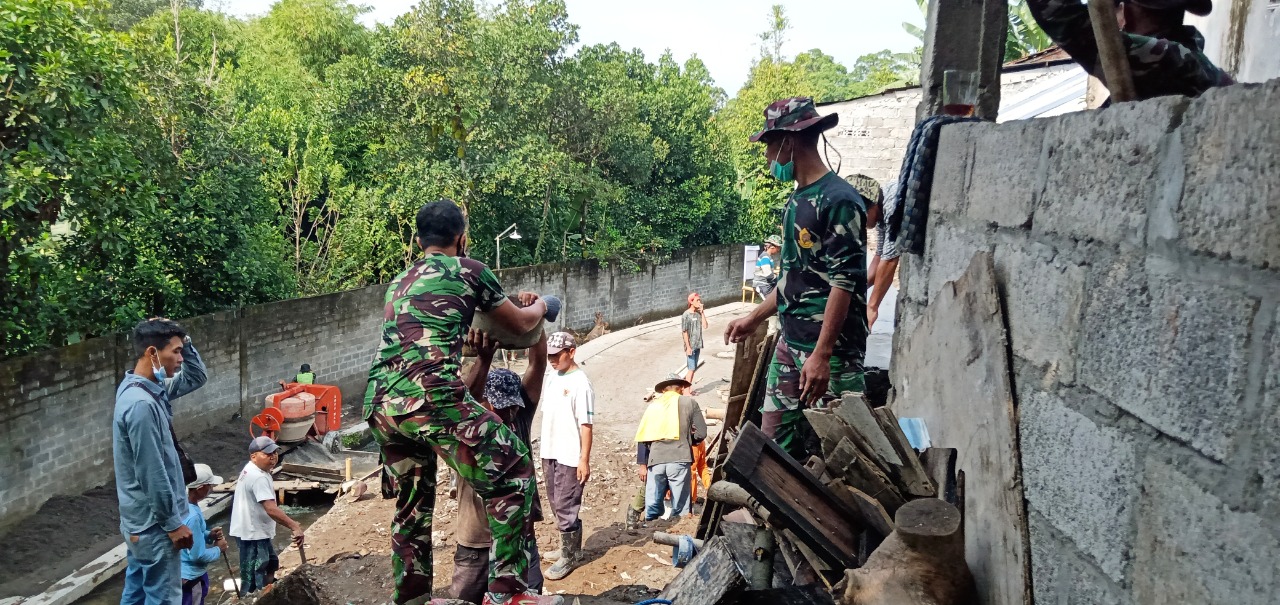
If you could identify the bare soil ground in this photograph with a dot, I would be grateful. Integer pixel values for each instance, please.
(352, 542)
(70, 531)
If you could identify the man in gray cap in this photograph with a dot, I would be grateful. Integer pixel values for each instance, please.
(568, 413)
(515, 400)
(1165, 56)
(254, 515)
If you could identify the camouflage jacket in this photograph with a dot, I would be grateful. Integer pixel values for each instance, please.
(1173, 64)
(823, 247)
(428, 312)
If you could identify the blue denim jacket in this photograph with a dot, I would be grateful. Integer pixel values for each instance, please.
(149, 481)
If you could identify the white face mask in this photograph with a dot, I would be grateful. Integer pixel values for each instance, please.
(158, 370)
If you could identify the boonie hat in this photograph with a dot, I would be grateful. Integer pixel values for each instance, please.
(502, 389)
(1195, 7)
(794, 115)
(868, 187)
(204, 476)
(263, 444)
(680, 382)
(560, 341)
(775, 240)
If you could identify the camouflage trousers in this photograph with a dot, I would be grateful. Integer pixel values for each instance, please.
(486, 454)
(782, 415)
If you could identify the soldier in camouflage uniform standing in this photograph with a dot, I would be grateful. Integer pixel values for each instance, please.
(821, 293)
(418, 407)
(1166, 57)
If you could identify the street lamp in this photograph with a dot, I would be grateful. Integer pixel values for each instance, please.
(497, 244)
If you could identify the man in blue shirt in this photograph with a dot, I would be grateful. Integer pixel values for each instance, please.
(206, 545)
(149, 479)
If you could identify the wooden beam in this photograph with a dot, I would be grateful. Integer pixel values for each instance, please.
(918, 482)
(940, 464)
(310, 471)
(750, 366)
(863, 474)
(711, 576)
(795, 499)
(872, 439)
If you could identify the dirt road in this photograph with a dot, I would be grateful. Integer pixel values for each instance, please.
(622, 566)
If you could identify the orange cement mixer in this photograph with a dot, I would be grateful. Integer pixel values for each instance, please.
(298, 412)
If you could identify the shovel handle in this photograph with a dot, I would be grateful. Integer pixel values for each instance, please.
(1111, 52)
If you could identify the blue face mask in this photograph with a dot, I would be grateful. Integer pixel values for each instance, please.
(784, 172)
(158, 370)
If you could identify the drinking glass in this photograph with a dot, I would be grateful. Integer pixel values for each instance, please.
(959, 92)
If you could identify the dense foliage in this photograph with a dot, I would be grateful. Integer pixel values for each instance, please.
(160, 158)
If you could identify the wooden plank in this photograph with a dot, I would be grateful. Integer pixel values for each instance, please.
(750, 366)
(288, 485)
(311, 471)
(940, 464)
(863, 474)
(855, 412)
(958, 363)
(795, 499)
(709, 578)
(869, 508)
(912, 471)
(802, 572)
(82, 581)
(829, 428)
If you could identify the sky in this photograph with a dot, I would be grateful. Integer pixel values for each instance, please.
(723, 33)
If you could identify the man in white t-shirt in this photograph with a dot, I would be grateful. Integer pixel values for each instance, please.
(254, 515)
(568, 407)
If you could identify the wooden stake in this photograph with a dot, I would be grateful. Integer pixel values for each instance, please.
(346, 475)
(1111, 52)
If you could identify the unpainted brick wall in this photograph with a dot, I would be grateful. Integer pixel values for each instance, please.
(1138, 256)
(56, 405)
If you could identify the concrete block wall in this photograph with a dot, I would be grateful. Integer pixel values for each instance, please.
(1138, 255)
(56, 405)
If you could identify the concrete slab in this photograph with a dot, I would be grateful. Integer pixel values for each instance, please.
(953, 372)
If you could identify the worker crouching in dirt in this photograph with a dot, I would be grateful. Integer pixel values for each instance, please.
(670, 427)
(206, 545)
(418, 407)
(515, 400)
(254, 514)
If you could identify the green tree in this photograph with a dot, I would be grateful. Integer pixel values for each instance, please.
(63, 90)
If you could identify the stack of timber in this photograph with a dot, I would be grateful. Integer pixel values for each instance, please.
(869, 521)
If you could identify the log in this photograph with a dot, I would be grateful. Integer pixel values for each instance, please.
(795, 499)
(708, 579)
(921, 563)
(716, 413)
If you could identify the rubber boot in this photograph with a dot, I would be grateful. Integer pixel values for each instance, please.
(470, 573)
(635, 511)
(570, 553)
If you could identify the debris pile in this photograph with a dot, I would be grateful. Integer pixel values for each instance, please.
(870, 521)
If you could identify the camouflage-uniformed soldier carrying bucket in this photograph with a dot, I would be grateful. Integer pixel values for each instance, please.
(418, 408)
